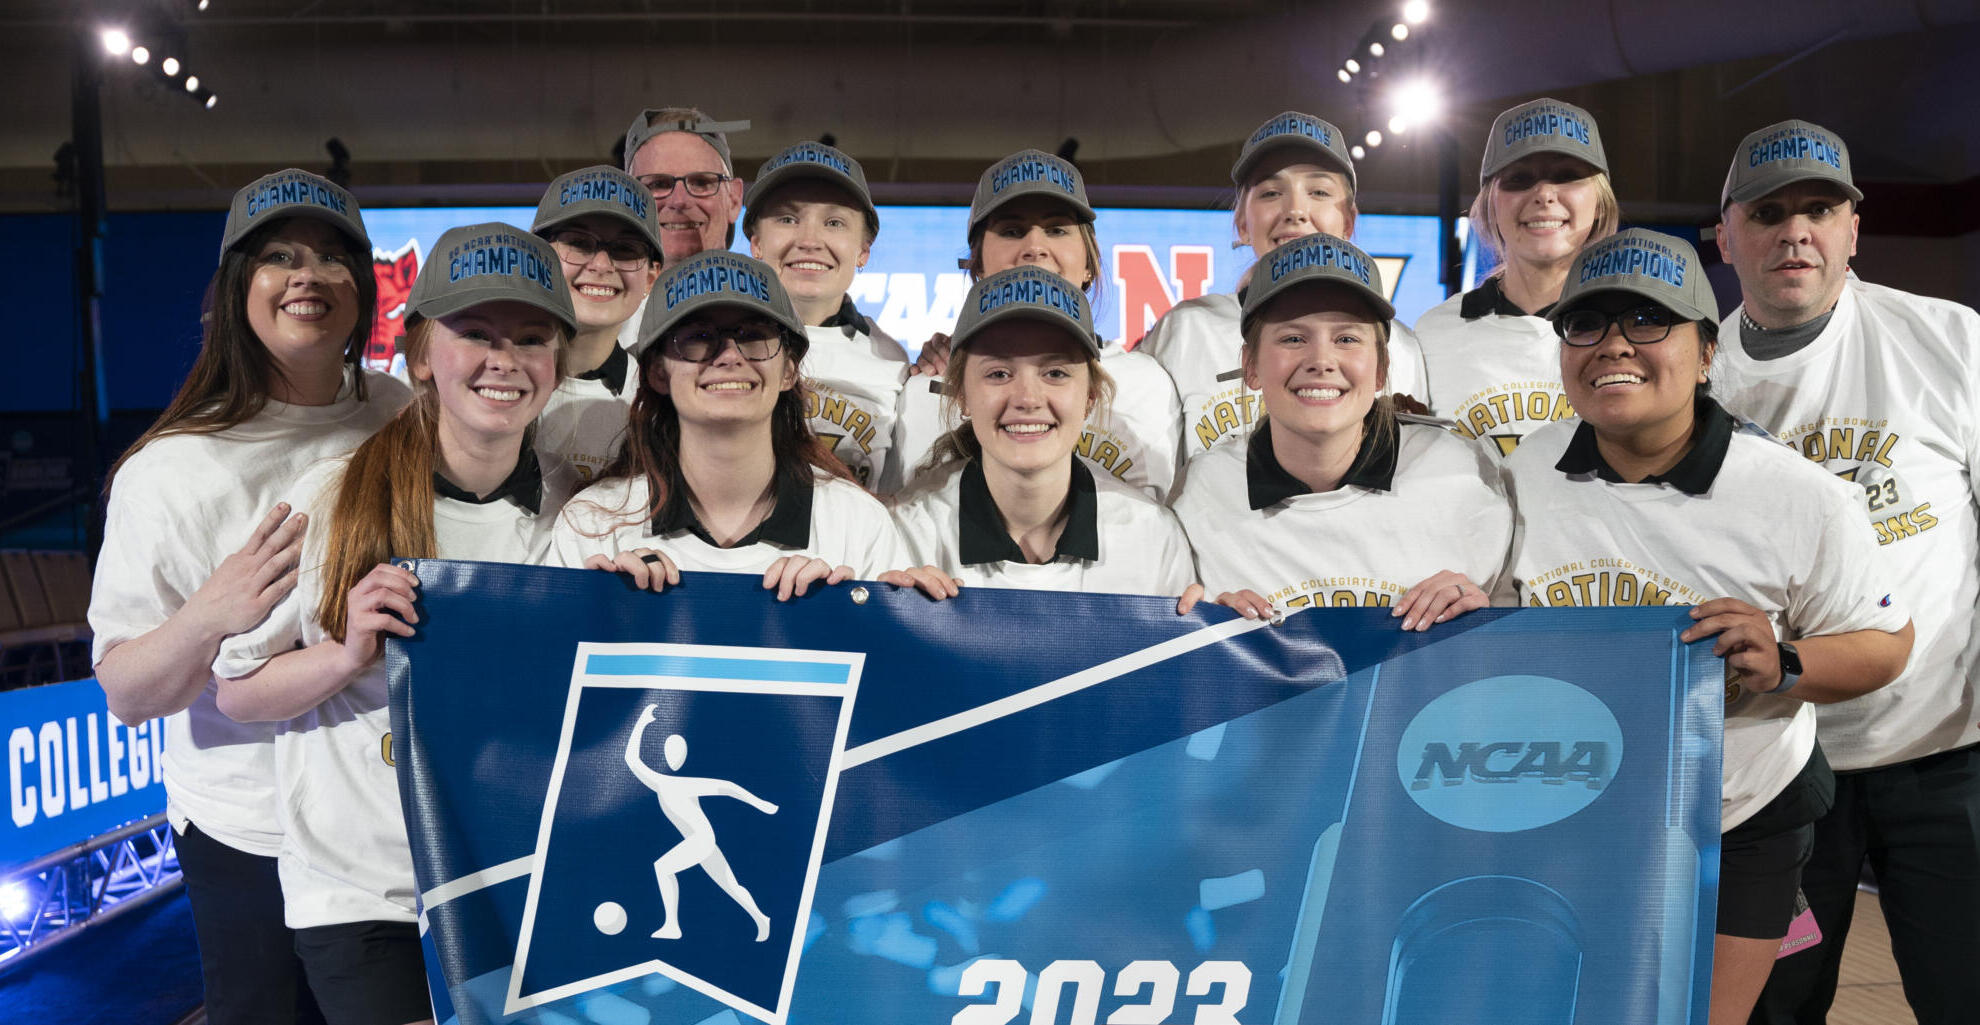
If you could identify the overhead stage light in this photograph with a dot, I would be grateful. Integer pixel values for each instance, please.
(116, 41)
(139, 54)
(1416, 12)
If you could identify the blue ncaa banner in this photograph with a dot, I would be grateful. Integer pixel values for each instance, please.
(705, 807)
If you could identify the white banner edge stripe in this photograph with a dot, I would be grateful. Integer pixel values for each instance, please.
(461, 886)
(1012, 704)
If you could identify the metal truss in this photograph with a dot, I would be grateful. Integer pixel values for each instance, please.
(57, 896)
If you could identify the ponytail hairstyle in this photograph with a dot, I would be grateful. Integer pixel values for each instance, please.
(384, 504)
(653, 438)
(1380, 425)
(960, 442)
(231, 378)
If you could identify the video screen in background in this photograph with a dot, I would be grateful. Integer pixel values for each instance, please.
(912, 287)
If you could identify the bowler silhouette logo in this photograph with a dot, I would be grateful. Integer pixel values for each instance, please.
(680, 800)
(712, 888)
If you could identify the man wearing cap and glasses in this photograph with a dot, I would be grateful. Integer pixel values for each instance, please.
(1879, 387)
(682, 157)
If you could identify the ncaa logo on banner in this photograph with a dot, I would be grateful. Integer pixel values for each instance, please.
(1509, 753)
(685, 822)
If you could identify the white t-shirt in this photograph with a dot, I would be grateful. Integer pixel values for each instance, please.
(852, 396)
(584, 423)
(1201, 345)
(177, 508)
(344, 855)
(1497, 376)
(1439, 506)
(1132, 440)
(1768, 530)
(1887, 397)
(1116, 540)
(845, 527)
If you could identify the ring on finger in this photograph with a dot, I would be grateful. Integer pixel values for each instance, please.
(650, 558)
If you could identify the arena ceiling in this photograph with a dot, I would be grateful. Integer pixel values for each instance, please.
(455, 100)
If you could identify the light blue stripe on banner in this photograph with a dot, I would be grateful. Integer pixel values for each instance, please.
(705, 668)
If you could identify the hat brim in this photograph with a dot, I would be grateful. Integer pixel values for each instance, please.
(467, 298)
(542, 228)
(651, 329)
(1089, 343)
(1686, 311)
(1083, 212)
(1385, 311)
(1241, 171)
(1765, 187)
(805, 171)
(358, 239)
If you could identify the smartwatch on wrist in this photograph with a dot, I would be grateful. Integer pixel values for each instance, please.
(1790, 668)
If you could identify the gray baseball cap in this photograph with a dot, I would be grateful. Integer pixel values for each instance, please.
(598, 190)
(1319, 259)
(1293, 129)
(1641, 262)
(1780, 155)
(1542, 126)
(1030, 293)
(810, 161)
(487, 263)
(293, 193)
(715, 277)
(715, 133)
(1028, 173)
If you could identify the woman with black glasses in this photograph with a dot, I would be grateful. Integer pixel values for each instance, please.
(601, 223)
(1656, 495)
(720, 470)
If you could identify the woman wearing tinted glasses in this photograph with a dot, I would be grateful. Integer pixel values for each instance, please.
(1489, 354)
(720, 471)
(1657, 496)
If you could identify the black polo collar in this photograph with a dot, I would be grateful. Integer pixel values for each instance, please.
(612, 371)
(1267, 483)
(982, 537)
(848, 319)
(1489, 298)
(789, 522)
(523, 485)
(1711, 435)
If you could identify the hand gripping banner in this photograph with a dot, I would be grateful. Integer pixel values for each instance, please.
(709, 808)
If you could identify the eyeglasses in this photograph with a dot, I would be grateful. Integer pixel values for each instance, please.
(578, 247)
(700, 183)
(1643, 325)
(699, 341)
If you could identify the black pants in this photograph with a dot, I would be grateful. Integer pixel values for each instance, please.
(247, 957)
(1918, 825)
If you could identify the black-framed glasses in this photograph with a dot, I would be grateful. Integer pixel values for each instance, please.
(578, 247)
(699, 341)
(1643, 325)
(699, 183)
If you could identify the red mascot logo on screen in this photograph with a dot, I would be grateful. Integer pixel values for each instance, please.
(396, 272)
